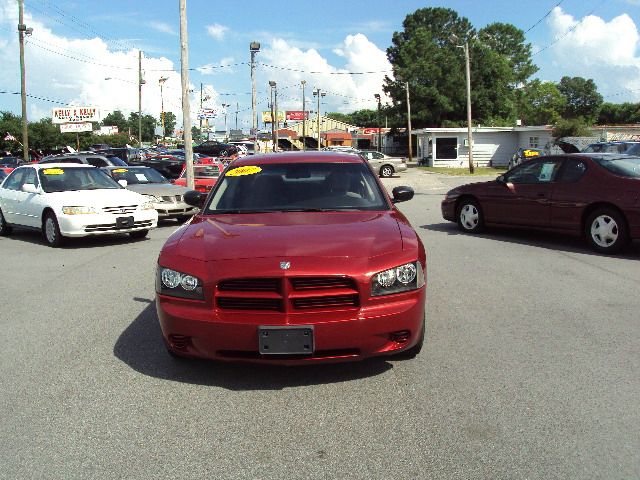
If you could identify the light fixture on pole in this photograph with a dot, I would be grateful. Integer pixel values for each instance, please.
(455, 40)
(161, 81)
(272, 84)
(377, 97)
(254, 47)
(140, 83)
(304, 117)
(318, 93)
(224, 107)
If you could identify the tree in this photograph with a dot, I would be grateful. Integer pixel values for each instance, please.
(148, 126)
(573, 127)
(509, 41)
(619, 113)
(540, 103)
(11, 124)
(583, 99)
(169, 124)
(361, 118)
(116, 119)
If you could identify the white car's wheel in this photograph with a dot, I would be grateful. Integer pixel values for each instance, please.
(51, 231)
(4, 228)
(386, 171)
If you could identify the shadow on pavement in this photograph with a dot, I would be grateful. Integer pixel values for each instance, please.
(141, 347)
(536, 238)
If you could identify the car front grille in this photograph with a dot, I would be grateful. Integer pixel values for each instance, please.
(287, 294)
(172, 198)
(112, 227)
(120, 210)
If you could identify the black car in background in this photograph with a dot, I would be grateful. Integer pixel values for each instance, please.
(124, 153)
(168, 165)
(216, 149)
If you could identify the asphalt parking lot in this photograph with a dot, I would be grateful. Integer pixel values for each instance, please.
(530, 370)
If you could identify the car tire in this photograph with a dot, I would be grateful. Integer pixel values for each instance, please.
(5, 229)
(386, 171)
(606, 231)
(139, 234)
(469, 216)
(51, 231)
(417, 348)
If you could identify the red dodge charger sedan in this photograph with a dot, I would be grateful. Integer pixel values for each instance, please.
(595, 195)
(294, 258)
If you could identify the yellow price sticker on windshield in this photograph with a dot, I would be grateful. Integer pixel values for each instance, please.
(53, 171)
(531, 153)
(241, 171)
(120, 170)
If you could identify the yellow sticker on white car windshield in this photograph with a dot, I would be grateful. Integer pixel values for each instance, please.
(531, 153)
(53, 171)
(120, 170)
(240, 171)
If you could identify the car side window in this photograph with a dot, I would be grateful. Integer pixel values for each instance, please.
(15, 179)
(96, 162)
(533, 172)
(572, 170)
(70, 160)
(30, 177)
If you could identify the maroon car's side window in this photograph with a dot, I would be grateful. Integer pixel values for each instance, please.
(572, 170)
(542, 171)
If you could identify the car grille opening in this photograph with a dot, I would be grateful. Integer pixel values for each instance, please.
(120, 210)
(300, 293)
(112, 227)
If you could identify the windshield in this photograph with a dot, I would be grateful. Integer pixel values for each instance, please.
(203, 171)
(623, 166)
(138, 175)
(64, 179)
(608, 148)
(297, 187)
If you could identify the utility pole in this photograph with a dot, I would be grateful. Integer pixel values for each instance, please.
(22, 31)
(469, 132)
(186, 111)
(272, 84)
(140, 82)
(161, 81)
(275, 99)
(319, 93)
(377, 97)
(200, 106)
(409, 122)
(304, 118)
(254, 47)
(237, 108)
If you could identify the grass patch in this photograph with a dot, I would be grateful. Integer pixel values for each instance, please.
(465, 171)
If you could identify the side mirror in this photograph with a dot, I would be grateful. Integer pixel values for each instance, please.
(402, 194)
(29, 188)
(123, 182)
(195, 199)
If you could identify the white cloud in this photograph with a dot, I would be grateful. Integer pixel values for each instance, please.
(345, 92)
(604, 51)
(217, 31)
(224, 66)
(162, 27)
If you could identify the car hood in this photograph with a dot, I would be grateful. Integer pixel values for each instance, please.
(96, 198)
(300, 234)
(162, 189)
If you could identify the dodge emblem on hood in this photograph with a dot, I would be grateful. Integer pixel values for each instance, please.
(285, 265)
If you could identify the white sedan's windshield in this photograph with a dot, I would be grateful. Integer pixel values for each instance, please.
(62, 179)
(297, 187)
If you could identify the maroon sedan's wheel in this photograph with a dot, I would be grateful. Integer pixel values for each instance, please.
(469, 215)
(4, 228)
(606, 231)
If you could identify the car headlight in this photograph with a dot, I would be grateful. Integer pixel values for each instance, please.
(404, 278)
(152, 198)
(177, 284)
(78, 210)
(147, 206)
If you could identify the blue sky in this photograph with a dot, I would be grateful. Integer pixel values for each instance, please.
(76, 45)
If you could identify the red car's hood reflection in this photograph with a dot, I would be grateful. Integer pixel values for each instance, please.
(300, 234)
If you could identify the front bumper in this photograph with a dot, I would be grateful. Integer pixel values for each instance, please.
(174, 209)
(192, 329)
(105, 223)
(448, 207)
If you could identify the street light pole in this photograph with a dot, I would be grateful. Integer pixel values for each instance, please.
(254, 47)
(140, 83)
(409, 121)
(161, 81)
(272, 84)
(319, 93)
(304, 117)
(22, 31)
(377, 97)
(226, 135)
(454, 39)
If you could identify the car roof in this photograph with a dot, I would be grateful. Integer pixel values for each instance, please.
(299, 157)
(41, 166)
(127, 167)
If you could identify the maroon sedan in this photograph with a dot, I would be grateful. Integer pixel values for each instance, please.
(595, 195)
(294, 258)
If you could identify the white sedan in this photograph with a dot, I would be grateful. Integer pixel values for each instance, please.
(385, 165)
(71, 200)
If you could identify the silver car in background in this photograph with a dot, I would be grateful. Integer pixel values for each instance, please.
(385, 165)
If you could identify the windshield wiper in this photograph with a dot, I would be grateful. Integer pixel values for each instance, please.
(242, 211)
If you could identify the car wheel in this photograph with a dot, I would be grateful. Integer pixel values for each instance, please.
(415, 350)
(4, 228)
(139, 234)
(470, 216)
(51, 231)
(386, 171)
(606, 231)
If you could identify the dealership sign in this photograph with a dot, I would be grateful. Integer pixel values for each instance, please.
(266, 116)
(207, 113)
(76, 127)
(297, 115)
(75, 114)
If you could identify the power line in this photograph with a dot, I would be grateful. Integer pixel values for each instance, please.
(545, 16)
(276, 67)
(45, 99)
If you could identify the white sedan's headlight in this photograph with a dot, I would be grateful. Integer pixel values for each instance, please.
(409, 276)
(152, 198)
(78, 210)
(147, 206)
